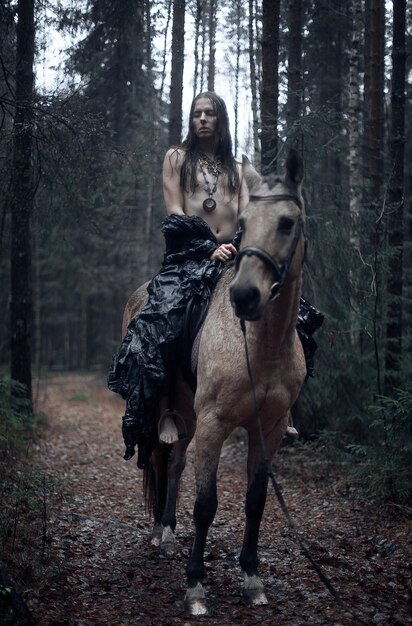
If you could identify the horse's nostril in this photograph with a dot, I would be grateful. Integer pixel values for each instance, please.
(245, 298)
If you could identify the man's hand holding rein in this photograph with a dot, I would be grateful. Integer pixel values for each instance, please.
(225, 252)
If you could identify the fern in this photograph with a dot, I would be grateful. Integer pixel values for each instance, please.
(387, 467)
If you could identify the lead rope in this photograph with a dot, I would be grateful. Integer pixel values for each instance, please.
(292, 526)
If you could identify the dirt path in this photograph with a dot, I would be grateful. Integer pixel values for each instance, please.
(107, 574)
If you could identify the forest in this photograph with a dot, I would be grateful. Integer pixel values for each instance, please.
(81, 199)
(92, 94)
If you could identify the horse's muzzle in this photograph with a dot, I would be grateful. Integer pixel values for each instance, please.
(246, 302)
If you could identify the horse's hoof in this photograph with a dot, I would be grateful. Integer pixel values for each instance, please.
(253, 591)
(155, 541)
(195, 600)
(168, 544)
(156, 536)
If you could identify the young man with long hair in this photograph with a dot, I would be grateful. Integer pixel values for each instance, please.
(204, 194)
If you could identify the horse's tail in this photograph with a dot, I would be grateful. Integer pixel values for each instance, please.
(155, 476)
(149, 488)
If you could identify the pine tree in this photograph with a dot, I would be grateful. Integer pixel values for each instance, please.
(21, 201)
(253, 85)
(176, 79)
(269, 86)
(295, 73)
(395, 227)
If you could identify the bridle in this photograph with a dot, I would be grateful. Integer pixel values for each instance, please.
(280, 271)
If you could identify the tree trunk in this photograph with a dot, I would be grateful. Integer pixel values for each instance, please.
(355, 110)
(366, 100)
(374, 98)
(396, 201)
(22, 197)
(164, 56)
(198, 21)
(237, 73)
(376, 112)
(253, 89)
(153, 114)
(270, 88)
(176, 85)
(295, 73)
(212, 45)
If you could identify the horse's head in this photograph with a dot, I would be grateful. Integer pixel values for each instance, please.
(272, 248)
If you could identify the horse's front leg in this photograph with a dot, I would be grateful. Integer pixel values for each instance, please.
(253, 589)
(255, 503)
(209, 441)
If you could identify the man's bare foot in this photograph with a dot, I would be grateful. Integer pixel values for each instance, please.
(292, 432)
(167, 429)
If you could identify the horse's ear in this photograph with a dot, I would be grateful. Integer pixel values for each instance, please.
(294, 169)
(252, 178)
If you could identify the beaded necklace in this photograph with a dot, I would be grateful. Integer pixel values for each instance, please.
(214, 167)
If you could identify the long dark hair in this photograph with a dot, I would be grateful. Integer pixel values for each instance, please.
(190, 146)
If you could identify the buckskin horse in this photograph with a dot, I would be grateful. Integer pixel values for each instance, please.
(264, 288)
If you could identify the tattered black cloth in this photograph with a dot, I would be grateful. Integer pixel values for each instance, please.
(310, 319)
(139, 370)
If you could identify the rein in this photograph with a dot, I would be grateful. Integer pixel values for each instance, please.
(280, 271)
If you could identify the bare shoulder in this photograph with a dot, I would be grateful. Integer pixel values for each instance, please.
(174, 158)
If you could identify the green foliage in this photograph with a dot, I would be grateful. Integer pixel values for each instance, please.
(16, 425)
(80, 396)
(387, 469)
(24, 494)
(382, 465)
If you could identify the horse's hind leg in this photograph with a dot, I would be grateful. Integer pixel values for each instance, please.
(253, 590)
(209, 441)
(175, 467)
(156, 490)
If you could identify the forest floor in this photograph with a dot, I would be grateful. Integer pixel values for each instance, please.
(105, 572)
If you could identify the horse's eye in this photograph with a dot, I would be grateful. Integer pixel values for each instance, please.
(285, 225)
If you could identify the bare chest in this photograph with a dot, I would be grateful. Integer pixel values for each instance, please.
(222, 219)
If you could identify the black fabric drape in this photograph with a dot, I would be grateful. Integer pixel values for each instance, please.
(139, 370)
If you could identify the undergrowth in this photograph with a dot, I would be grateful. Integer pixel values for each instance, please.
(24, 497)
(379, 466)
(382, 464)
(385, 462)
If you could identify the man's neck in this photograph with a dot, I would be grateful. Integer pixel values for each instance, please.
(207, 147)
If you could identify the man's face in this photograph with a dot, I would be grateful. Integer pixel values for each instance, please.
(204, 118)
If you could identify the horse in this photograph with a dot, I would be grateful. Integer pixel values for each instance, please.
(263, 290)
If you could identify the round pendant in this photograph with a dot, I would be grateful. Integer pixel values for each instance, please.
(209, 205)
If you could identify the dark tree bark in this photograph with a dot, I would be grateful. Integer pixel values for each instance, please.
(198, 21)
(176, 85)
(396, 200)
(253, 88)
(376, 99)
(354, 115)
(164, 55)
(238, 10)
(21, 202)
(366, 98)
(295, 71)
(212, 45)
(270, 88)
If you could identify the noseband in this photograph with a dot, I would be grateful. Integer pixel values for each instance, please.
(280, 271)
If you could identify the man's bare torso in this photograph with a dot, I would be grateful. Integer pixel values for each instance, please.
(223, 219)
